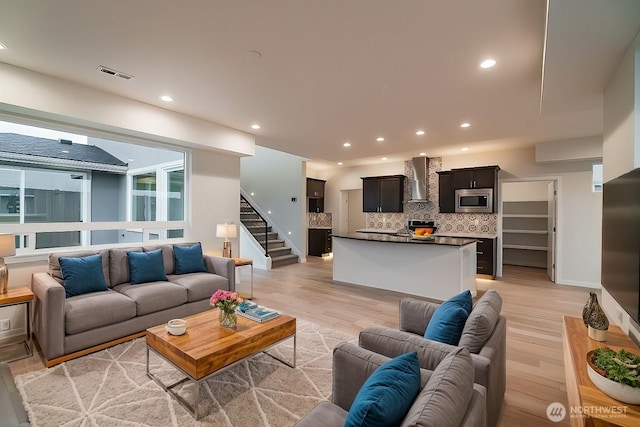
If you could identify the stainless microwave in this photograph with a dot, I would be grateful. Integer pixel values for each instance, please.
(474, 200)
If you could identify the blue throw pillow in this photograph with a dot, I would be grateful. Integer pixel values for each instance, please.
(189, 259)
(387, 395)
(82, 275)
(146, 267)
(448, 320)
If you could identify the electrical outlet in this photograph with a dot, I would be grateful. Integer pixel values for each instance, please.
(4, 324)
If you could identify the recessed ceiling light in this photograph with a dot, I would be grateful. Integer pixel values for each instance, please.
(420, 132)
(379, 139)
(423, 154)
(166, 98)
(255, 126)
(465, 149)
(65, 151)
(2, 46)
(339, 163)
(347, 144)
(465, 125)
(385, 158)
(130, 160)
(488, 63)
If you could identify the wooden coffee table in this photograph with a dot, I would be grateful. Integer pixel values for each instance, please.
(206, 348)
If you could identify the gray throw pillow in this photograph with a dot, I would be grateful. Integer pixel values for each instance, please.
(481, 322)
(445, 398)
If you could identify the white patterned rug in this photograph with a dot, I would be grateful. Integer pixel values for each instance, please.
(111, 388)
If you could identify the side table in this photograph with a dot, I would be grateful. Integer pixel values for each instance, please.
(17, 296)
(242, 262)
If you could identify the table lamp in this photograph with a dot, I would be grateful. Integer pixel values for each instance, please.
(7, 248)
(226, 230)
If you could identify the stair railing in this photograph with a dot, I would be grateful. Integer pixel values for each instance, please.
(266, 226)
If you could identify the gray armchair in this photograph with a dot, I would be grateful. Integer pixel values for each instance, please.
(447, 397)
(484, 336)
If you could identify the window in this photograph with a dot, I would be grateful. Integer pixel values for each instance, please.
(59, 193)
(144, 197)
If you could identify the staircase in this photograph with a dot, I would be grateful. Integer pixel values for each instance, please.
(261, 231)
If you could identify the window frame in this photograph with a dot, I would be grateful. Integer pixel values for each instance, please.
(26, 233)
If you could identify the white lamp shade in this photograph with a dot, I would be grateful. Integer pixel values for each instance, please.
(7, 245)
(226, 230)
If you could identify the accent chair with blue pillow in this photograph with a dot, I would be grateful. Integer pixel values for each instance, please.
(483, 335)
(97, 298)
(366, 391)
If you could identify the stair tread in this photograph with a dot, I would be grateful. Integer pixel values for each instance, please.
(283, 257)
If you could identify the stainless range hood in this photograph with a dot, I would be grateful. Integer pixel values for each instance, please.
(420, 183)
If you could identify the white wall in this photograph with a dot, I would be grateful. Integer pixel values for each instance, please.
(274, 177)
(531, 191)
(581, 231)
(621, 147)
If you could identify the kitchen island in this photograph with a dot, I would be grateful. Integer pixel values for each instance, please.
(437, 268)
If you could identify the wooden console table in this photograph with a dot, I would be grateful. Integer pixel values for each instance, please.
(593, 406)
(19, 296)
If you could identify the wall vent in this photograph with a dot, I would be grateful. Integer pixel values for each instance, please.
(114, 73)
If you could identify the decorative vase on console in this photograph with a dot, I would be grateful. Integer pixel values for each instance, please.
(595, 319)
(227, 302)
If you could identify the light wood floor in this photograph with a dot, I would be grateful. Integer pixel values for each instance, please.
(532, 304)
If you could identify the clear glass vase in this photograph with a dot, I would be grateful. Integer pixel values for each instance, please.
(228, 319)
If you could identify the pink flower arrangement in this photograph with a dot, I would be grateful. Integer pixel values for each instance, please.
(226, 301)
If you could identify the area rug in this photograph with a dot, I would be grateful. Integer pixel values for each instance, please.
(111, 388)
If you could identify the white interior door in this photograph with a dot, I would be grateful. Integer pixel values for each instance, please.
(551, 227)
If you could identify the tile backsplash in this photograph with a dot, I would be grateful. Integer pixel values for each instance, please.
(319, 220)
(429, 211)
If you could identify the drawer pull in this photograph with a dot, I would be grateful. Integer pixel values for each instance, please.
(480, 268)
(480, 253)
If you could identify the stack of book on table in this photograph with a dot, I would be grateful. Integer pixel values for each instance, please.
(256, 312)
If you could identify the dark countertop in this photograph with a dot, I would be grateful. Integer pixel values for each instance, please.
(393, 238)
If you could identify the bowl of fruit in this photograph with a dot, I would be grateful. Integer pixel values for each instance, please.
(424, 233)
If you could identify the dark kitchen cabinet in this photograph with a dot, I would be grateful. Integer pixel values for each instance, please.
(486, 257)
(319, 241)
(482, 177)
(315, 195)
(316, 205)
(383, 193)
(315, 188)
(446, 194)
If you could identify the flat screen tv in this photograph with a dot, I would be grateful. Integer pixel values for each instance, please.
(621, 241)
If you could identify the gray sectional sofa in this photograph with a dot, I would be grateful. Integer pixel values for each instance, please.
(65, 326)
(483, 336)
(447, 396)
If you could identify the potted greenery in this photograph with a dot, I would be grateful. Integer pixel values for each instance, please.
(617, 374)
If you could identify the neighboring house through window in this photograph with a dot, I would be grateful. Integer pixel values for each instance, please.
(118, 192)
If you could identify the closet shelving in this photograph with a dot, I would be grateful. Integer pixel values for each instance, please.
(525, 233)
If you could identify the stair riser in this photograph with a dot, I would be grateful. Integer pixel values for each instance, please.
(272, 245)
(277, 264)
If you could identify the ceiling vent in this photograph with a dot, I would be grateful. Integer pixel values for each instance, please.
(65, 141)
(114, 73)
